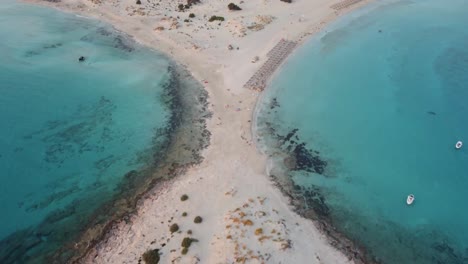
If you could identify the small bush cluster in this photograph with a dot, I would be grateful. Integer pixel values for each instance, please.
(197, 220)
(233, 7)
(184, 214)
(138, 2)
(151, 256)
(191, 15)
(184, 197)
(214, 18)
(174, 228)
(186, 242)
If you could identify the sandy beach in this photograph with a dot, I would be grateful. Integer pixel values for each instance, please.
(245, 218)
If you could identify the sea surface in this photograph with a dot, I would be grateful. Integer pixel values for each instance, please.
(368, 112)
(74, 135)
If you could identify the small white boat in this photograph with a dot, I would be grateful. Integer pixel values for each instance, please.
(410, 199)
(458, 145)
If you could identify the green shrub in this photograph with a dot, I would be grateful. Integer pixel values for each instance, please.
(234, 7)
(138, 2)
(174, 228)
(189, 232)
(197, 220)
(184, 251)
(151, 256)
(184, 197)
(214, 18)
(184, 214)
(187, 241)
(181, 7)
(192, 15)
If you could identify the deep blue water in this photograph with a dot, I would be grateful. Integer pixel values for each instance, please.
(381, 97)
(70, 130)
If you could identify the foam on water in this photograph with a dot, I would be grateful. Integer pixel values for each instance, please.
(379, 100)
(77, 135)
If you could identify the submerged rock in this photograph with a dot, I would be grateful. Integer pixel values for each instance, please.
(81, 59)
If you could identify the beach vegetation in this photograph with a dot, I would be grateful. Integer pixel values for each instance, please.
(248, 222)
(191, 15)
(186, 20)
(184, 251)
(184, 214)
(258, 231)
(233, 7)
(181, 7)
(174, 228)
(138, 2)
(193, 2)
(197, 220)
(184, 197)
(214, 18)
(187, 241)
(189, 232)
(151, 256)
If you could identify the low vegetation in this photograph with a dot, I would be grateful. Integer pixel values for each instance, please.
(233, 7)
(187, 242)
(184, 197)
(184, 214)
(197, 220)
(174, 228)
(214, 18)
(151, 256)
(191, 15)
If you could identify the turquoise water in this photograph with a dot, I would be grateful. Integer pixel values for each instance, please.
(379, 98)
(70, 130)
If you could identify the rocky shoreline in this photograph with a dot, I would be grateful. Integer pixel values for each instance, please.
(289, 154)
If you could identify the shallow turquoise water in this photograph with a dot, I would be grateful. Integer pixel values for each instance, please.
(71, 130)
(381, 96)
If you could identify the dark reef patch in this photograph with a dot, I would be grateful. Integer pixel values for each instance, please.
(274, 103)
(66, 139)
(38, 51)
(299, 157)
(110, 38)
(69, 234)
(293, 155)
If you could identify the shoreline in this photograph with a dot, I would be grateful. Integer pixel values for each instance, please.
(184, 137)
(232, 138)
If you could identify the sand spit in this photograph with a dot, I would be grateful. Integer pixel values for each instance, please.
(245, 218)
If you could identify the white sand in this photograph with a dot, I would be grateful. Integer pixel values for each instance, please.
(231, 181)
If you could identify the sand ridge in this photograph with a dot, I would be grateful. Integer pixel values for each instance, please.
(246, 219)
